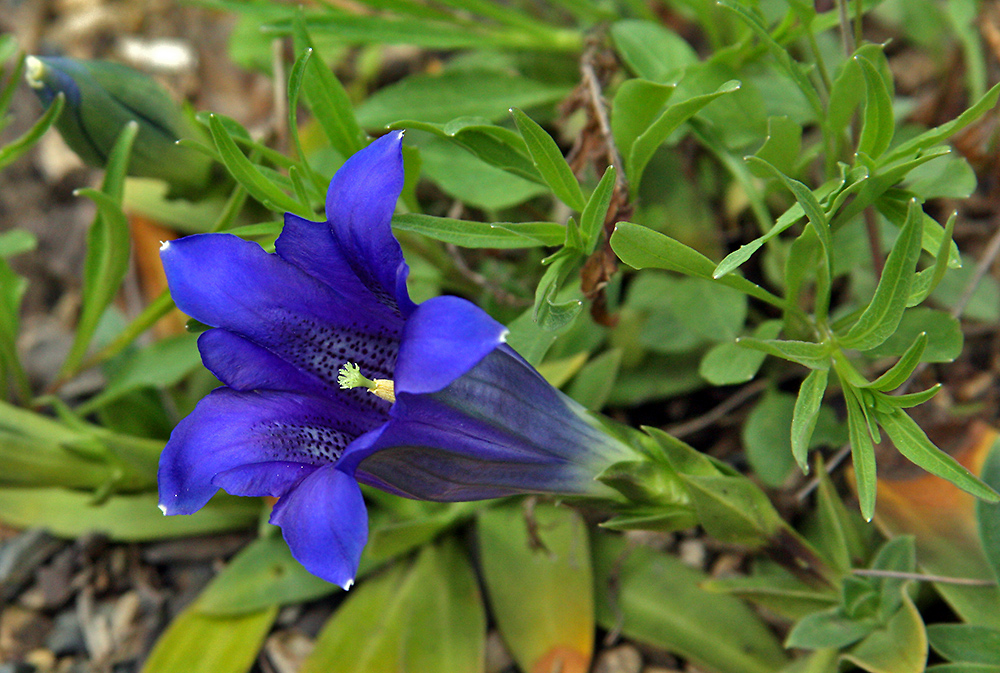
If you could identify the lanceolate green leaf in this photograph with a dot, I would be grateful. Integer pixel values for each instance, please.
(592, 217)
(327, 98)
(862, 452)
(642, 248)
(901, 371)
(806, 353)
(668, 122)
(11, 151)
(250, 176)
(549, 161)
(988, 514)
(806, 413)
(911, 441)
(941, 133)
(108, 248)
(470, 234)
(882, 316)
(878, 124)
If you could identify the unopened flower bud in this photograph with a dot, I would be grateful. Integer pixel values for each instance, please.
(101, 98)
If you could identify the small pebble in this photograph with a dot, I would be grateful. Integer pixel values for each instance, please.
(620, 659)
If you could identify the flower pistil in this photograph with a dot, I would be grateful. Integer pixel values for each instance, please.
(350, 376)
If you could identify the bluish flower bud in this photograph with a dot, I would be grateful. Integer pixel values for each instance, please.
(101, 98)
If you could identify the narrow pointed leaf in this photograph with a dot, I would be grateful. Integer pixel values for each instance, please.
(592, 217)
(878, 124)
(249, 175)
(549, 161)
(647, 143)
(643, 248)
(108, 248)
(805, 415)
(16, 148)
(901, 371)
(988, 514)
(805, 353)
(470, 234)
(327, 98)
(911, 441)
(882, 316)
(862, 453)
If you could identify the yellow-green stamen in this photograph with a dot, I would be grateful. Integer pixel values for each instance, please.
(350, 376)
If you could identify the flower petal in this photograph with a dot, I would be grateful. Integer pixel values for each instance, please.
(229, 429)
(498, 430)
(274, 478)
(359, 207)
(444, 338)
(227, 282)
(313, 247)
(325, 522)
(243, 365)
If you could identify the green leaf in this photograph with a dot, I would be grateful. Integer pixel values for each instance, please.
(782, 146)
(348, 642)
(439, 98)
(650, 50)
(765, 438)
(730, 364)
(988, 514)
(840, 535)
(13, 150)
(263, 575)
(928, 279)
(965, 642)
(790, 67)
(944, 336)
(781, 593)
(911, 441)
(805, 415)
(447, 610)
(199, 643)
(160, 364)
(901, 647)
(908, 400)
(250, 176)
(878, 124)
(733, 509)
(108, 247)
(806, 353)
(668, 122)
(536, 568)
(636, 105)
(593, 384)
(70, 514)
(436, 602)
(462, 176)
(862, 452)
(941, 133)
(592, 217)
(901, 371)
(641, 247)
(881, 317)
(549, 312)
(829, 629)
(470, 234)
(849, 88)
(655, 599)
(327, 98)
(549, 161)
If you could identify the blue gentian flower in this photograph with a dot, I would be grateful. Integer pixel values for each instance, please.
(466, 418)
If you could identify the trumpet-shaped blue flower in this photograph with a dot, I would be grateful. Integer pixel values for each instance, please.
(470, 419)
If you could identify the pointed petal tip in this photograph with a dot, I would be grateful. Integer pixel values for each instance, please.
(163, 508)
(346, 586)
